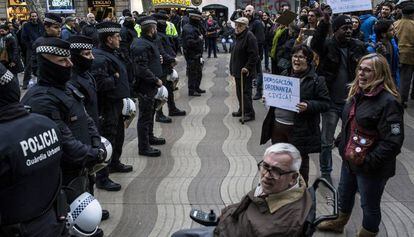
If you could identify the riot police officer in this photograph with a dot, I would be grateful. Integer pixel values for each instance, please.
(146, 56)
(81, 142)
(168, 53)
(193, 52)
(111, 77)
(30, 153)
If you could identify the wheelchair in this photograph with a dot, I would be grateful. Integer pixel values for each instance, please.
(324, 207)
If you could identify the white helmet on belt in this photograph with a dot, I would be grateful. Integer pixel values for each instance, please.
(173, 76)
(84, 216)
(128, 108)
(161, 97)
(108, 148)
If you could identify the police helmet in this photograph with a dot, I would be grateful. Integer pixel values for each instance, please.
(84, 216)
(173, 76)
(108, 148)
(129, 109)
(161, 97)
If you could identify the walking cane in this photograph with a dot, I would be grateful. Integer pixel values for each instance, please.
(242, 97)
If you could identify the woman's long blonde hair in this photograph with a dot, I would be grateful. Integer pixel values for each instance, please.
(382, 75)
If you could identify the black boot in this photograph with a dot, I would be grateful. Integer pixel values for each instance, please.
(105, 215)
(160, 117)
(107, 184)
(177, 112)
(120, 168)
(156, 141)
(151, 152)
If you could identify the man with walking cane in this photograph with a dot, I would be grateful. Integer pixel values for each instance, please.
(243, 61)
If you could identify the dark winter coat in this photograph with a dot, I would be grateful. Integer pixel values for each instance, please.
(30, 32)
(67, 32)
(146, 56)
(245, 54)
(212, 30)
(329, 53)
(382, 113)
(257, 27)
(13, 53)
(306, 132)
(192, 43)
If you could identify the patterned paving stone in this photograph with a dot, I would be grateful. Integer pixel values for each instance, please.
(210, 160)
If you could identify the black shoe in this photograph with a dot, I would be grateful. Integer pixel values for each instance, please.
(99, 233)
(215, 56)
(177, 112)
(105, 215)
(194, 94)
(156, 141)
(151, 152)
(247, 118)
(236, 114)
(258, 96)
(120, 168)
(108, 185)
(201, 91)
(163, 119)
(175, 89)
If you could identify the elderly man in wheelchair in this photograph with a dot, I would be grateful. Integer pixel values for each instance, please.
(280, 205)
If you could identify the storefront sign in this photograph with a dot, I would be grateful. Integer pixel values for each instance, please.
(101, 3)
(61, 6)
(172, 2)
(281, 92)
(16, 3)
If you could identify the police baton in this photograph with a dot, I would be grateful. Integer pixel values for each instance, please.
(242, 97)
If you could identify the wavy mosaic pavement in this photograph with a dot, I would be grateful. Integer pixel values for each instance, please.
(210, 160)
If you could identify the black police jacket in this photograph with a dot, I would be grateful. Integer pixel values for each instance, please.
(167, 52)
(104, 68)
(30, 152)
(80, 137)
(192, 43)
(306, 134)
(329, 53)
(86, 84)
(382, 113)
(146, 57)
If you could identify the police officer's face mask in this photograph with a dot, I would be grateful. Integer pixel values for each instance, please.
(52, 72)
(81, 63)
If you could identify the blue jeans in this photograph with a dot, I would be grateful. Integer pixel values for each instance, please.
(370, 189)
(329, 121)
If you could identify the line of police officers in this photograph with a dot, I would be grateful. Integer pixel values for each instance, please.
(82, 94)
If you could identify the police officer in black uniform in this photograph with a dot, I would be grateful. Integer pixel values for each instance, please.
(168, 53)
(110, 73)
(53, 24)
(128, 34)
(81, 143)
(30, 176)
(146, 56)
(193, 52)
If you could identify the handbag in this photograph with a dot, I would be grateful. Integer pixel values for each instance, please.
(360, 141)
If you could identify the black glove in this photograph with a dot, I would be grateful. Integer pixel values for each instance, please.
(102, 154)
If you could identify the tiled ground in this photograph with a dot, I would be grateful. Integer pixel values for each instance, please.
(209, 161)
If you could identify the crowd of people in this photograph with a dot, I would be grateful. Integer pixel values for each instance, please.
(82, 78)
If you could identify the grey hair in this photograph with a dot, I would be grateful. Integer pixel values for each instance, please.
(286, 148)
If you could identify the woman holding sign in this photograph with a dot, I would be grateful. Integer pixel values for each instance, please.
(300, 128)
(371, 138)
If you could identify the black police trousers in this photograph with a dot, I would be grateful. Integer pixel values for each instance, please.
(46, 225)
(111, 127)
(247, 95)
(145, 124)
(171, 101)
(194, 74)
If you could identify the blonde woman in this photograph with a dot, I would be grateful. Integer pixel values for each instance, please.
(371, 138)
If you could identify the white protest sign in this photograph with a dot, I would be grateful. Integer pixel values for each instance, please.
(340, 6)
(281, 92)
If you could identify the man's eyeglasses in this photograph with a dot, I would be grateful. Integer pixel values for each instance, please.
(274, 172)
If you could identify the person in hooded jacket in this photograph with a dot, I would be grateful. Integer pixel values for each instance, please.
(10, 50)
(22, 174)
(81, 142)
(302, 128)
